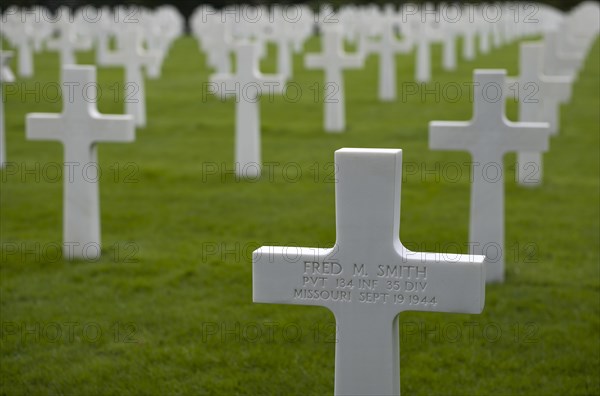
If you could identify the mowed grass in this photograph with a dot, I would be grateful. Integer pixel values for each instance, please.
(168, 308)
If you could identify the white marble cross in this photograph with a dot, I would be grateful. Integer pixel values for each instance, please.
(449, 36)
(23, 43)
(334, 60)
(540, 97)
(248, 84)
(283, 33)
(387, 48)
(64, 46)
(557, 63)
(132, 57)
(161, 27)
(423, 53)
(285, 58)
(79, 127)
(19, 31)
(497, 30)
(368, 277)
(484, 32)
(488, 136)
(6, 75)
(218, 42)
(468, 45)
(68, 40)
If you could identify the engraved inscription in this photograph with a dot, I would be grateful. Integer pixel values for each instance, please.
(391, 284)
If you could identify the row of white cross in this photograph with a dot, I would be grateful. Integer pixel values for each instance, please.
(487, 136)
(549, 91)
(142, 37)
(144, 45)
(66, 31)
(386, 277)
(368, 277)
(219, 31)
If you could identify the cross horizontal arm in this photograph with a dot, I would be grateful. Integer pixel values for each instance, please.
(451, 135)
(112, 128)
(44, 126)
(314, 61)
(458, 280)
(369, 45)
(353, 61)
(271, 83)
(224, 85)
(526, 136)
(277, 272)
(558, 86)
(114, 58)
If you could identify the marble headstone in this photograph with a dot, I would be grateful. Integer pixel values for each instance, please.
(334, 60)
(247, 85)
(387, 47)
(539, 97)
(133, 57)
(79, 128)
(6, 75)
(487, 137)
(368, 277)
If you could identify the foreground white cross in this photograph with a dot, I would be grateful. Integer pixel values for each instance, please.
(487, 137)
(248, 84)
(540, 97)
(6, 75)
(368, 277)
(79, 127)
(334, 60)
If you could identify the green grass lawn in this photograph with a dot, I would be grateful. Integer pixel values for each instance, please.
(168, 308)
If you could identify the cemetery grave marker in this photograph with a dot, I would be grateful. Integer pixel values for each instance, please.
(333, 60)
(247, 85)
(132, 57)
(487, 137)
(79, 127)
(69, 38)
(387, 47)
(539, 98)
(557, 63)
(422, 30)
(6, 75)
(368, 277)
(468, 34)
(20, 38)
